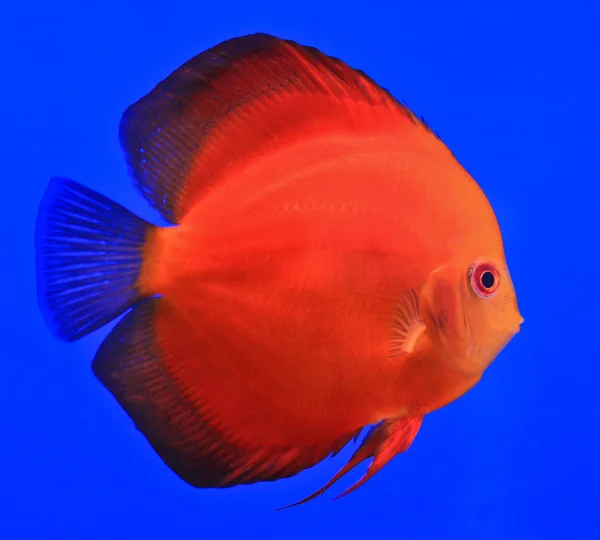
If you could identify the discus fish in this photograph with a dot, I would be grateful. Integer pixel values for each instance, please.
(327, 265)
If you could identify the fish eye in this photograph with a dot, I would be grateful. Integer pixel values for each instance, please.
(484, 278)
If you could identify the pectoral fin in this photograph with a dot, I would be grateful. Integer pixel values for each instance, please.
(407, 325)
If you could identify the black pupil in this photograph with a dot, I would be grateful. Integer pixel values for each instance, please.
(488, 279)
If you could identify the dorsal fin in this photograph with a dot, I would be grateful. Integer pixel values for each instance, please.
(226, 104)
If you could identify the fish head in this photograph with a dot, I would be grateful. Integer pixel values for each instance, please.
(471, 312)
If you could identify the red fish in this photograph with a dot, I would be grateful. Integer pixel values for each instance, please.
(330, 266)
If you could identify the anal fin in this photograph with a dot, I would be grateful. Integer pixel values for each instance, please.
(161, 377)
(382, 443)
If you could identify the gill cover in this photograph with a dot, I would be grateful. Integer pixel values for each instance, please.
(446, 318)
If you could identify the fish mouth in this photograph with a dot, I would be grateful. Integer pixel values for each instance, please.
(515, 330)
(520, 321)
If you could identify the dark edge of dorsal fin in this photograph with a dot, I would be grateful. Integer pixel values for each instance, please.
(162, 133)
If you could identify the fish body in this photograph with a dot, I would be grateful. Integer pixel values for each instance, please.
(326, 268)
(310, 274)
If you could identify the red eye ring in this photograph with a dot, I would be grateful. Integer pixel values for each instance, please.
(484, 278)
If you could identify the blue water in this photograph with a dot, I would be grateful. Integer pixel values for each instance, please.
(512, 90)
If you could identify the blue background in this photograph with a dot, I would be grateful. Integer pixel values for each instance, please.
(513, 90)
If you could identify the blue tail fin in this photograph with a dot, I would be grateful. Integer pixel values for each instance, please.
(89, 253)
